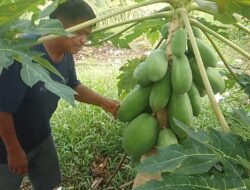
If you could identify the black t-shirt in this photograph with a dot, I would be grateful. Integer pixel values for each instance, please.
(33, 107)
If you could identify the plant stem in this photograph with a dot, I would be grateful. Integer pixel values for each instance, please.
(222, 57)
(96, 20)
(203, 73)
(116, 34)
(243, 28)
(117, 169)
(153, 16)
(215, 34)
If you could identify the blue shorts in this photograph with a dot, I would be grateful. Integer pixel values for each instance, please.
(44, 172)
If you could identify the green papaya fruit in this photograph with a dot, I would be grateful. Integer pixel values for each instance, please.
(134, 103)
(179, 42)
(208, 55)
(181, 75)
(166, 137)
(180, 108)
(140, 136)
(160, 93)
(140, 74)
(157, 64)
(197, 32)
(196, 73)
(195, 100)
(216, 80)
(201, 90)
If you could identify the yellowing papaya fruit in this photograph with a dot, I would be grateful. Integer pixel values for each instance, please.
(140, 136)
(179, 42)
(195, 100)
(160, 93)
(180, 108)
(181, 75)
(216, 80)
(166, 137)
(157, 64)
(140, 74)
(134, 103)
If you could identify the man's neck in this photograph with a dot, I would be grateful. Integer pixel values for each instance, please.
(55, 52)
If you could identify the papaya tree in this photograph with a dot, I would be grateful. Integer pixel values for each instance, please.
(161, 93)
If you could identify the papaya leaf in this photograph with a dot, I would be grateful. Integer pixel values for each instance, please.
(175, 158)
(227, 146)
(209, 6)
(153, 35)
(120, 42)
(47, 10)
(149, 27)
(244, 162)
(247, 182)
(230, 82)
(229, 7)
(62, 91)
(13, 10)
(31, 73)
(126, 82)
(49, 26)
(243, 117)
(222, 30)
(195, 182)
(6, 60)
(244, 80)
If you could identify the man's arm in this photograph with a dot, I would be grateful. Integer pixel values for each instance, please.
(88, 96)
(17, 160)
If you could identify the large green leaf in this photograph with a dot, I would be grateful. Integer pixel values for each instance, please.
(47, 10)
(196, 182)
(243, 117)
(228, 7)
(31, 73)
(5, 60)
(222, 30)
(175, 158)
(12, 10)
(149, 27)
(224, 145)
(50, 26)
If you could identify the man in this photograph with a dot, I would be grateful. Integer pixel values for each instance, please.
(26, 144)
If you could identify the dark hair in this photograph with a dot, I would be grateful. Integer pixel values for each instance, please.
(72, 10)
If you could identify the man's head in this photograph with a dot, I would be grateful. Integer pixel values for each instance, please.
(71, 13)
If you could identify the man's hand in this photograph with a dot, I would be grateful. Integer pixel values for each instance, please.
(111, 106)
(16, 157)
(17, 161)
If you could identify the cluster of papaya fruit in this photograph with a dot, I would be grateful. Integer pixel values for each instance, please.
(174, 85)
